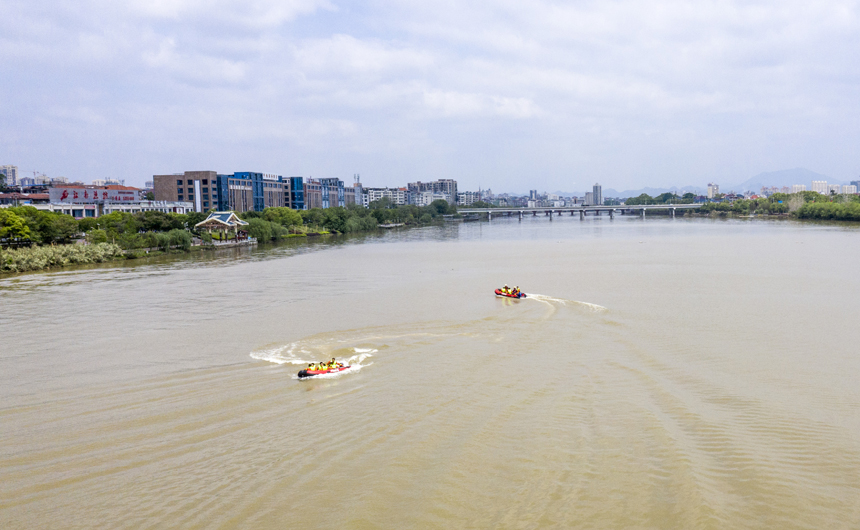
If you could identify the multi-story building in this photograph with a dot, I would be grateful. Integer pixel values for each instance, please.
(426, 198)
(467, 198)
(242, 191)
(713, 190)
(11, 173)
(533, 195)
(589, 198)
(332, 192)
(313, 194)
(797, 188)
(397, 196)
(821, 187)
(834, 189)
(849, 188)
(597, 194)
(201, 188)
(448, 186)
(855, 183)
(295, 193)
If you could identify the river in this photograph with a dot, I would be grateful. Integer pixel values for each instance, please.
(662, 374)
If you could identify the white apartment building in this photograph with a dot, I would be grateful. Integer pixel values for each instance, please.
(11, 173)
(797, 188)
(834, 188)
(713, 190)
(821, 187)
(467, 198)
(425, 198)
(397, 196)
(849, 188)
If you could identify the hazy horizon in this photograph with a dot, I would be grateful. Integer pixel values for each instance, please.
(532, 95)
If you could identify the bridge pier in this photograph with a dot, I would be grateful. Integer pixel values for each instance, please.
(521, 215)
(489, 216)
(673, 213)
(643, 213)
(550, 215)
(612, 214)
(581, 215)
(534, 213)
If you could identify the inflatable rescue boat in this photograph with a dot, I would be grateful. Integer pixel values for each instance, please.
(311, 373)
(500, 293)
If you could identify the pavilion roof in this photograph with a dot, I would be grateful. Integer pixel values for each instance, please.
(225, 219)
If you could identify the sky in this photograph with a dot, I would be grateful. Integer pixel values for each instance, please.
(508, 95)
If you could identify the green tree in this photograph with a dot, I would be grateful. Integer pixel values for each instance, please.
(13, 226)
(193, 218)
(442, 207)
(159, 221)
(97, 236)
(313, 217)
(283, 216)
(64, 228)
(180, 238)
(149, 196)
(481, 204)
(642, 199)
(381, 204)
(260, 229)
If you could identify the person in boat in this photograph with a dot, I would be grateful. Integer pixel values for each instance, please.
(517, 290)
(506, 289)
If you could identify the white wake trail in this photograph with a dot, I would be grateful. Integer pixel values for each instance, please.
(551, 299)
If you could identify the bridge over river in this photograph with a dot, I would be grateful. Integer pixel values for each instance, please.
(583, 210)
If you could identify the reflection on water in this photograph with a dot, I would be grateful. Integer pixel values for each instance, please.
(676, 374)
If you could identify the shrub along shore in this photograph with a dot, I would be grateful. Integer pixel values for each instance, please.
(32, 239)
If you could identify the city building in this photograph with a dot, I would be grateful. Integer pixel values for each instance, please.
(797, 188)
(397, 196)
(75, 194)
(713, 190)
(533, 195)
(821, 187)
(467, 198)
(332, 193)
(448, 186)
(597, 195)
(855, 183)
(242, 191)
(589, 198)
(313, 194)
(426, 198)
(198, 187)
(849, 188)
(11, 173)
(20, 199)
(296, 193)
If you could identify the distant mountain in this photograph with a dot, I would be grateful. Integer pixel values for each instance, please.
(785, 177)
(698, 190)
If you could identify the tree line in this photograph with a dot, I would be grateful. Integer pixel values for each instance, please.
(26, 225)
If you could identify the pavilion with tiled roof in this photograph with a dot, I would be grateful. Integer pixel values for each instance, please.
(223, 222)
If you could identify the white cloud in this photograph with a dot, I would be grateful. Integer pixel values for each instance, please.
(616, 86)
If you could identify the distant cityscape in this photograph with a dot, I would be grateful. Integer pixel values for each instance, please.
(202, 191)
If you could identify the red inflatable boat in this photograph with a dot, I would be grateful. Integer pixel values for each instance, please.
(311, 373)
(500, 293)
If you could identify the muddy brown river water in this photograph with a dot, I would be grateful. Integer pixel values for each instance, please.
(661, 374)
